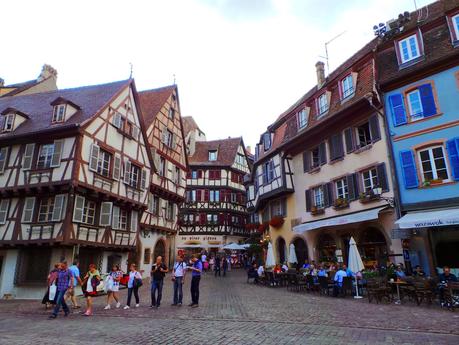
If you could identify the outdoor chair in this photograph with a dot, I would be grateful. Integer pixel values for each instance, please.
(423, 291)
(324, 286)
(451, 296)
(272, 280)
(377, 290)
(347, 286)
(292, 281)
(311, 285)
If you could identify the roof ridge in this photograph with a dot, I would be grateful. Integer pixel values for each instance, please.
(160, 88)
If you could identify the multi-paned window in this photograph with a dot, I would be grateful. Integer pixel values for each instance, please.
(364, 134)
(347, 86)
(89, 212)
(59, 113)
(302, 117)
(103, 163)
(315, 157)
(3, 158)
(318, 197)
(433, 164)
(415, 105)
(409, 49)
(212, 218)
(120, 217)
(4, 205)
(171, 113)
(153, 204)
(370, 179)
(240, 159)
(214, 196)
(267, 141)
(169, 137)
(45, 156)
(45, 211)
(342, 190)
(322, 104)
(8, 122)
(455, 21)
(212, 155)
(170, 210)
(134, 176)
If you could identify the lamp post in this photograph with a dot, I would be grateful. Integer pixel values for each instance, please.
(378, 192)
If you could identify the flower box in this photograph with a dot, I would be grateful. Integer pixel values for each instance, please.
(317, 210)
(368, 197)
(340, 203)
(276, 221)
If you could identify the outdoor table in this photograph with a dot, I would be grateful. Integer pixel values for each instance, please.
(397, 284)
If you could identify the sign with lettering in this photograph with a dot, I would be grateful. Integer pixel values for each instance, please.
(400, 233)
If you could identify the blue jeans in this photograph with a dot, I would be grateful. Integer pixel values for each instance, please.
(156, 285)
(61, 301)
(178, 292)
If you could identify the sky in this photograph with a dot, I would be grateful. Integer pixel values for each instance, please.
(238, 64)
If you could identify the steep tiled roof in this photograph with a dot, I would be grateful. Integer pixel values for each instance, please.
(90, 99)
(226, 148)
(151, 101)
(19, 87)
(189, 124)
(436, 40)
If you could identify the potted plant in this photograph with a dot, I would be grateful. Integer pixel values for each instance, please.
(317, 210)
(436, 181)
(276, 221)
(368, 196)
(341, 203)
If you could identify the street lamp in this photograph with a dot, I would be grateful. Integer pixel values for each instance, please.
(390, 200)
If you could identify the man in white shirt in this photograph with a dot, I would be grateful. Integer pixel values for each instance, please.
(339, 280)
(261, 271)
(178, 277)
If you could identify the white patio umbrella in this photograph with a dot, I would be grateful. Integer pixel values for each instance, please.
(233, 246)
(292, 259)
(355, 263)
(270, 262)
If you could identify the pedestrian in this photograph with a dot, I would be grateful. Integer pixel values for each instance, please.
(196, 270)
(212, 263)
(113, 286)
(134, 283)
(75, 271)
(51, 280)
(224, 265)
(90, 282)
(217, 266)
(178, 278)
(158, 271)
(64, 282)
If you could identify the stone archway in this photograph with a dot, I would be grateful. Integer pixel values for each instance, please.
(301, 250)
(281, 247)
(160, 250)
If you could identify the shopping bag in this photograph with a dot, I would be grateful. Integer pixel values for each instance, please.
(52, 292)
(109, 284)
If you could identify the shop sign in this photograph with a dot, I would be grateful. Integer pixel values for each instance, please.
(199, 238)
(400, 233)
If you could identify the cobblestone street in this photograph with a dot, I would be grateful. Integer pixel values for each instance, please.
(234, 312)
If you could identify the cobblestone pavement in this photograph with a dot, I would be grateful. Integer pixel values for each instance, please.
(234, 312)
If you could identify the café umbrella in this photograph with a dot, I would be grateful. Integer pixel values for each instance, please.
(270, 256)
(234, 246)
(355, 263)
(292, 259)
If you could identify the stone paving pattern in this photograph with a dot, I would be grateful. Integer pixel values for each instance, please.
(234, 312)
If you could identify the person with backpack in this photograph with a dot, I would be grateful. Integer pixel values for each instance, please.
(134, 283)
(158, 271)
(196, 270)
(178, 277)
(90, 282)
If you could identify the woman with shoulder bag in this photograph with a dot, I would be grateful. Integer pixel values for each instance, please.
(113, 285)
(90, 282)
(134, 283)
(52, 279)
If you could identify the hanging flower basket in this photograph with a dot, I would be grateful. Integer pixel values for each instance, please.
(263, 227)
(276, 221)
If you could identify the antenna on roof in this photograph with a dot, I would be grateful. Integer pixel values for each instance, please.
(326, 50)
(132, 67)
(174, 79)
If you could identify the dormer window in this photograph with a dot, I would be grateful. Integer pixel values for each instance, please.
(302, 117)
(212, 155)
(322, 105)
(59, 113)
(453, 23)
(347, 87)
(8, 123)
(267, 141)
(409, 49)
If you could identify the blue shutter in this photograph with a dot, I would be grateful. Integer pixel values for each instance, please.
(410, 176)
(427, 99)
(453, 152)
(398, 109)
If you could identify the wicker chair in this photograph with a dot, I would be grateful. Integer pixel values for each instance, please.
(324, 286)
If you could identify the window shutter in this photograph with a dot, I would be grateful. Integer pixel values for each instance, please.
(4, 210)
(116, 217)
(335, 144)
(308, 200)
(199, 173)
(221, 219)
(27, 214)
(78, 209)
(328, 198)
(322, 153)
(453, 152)
(94, 157)
(134, 221)
(374, 128)
(117, 167)
(188, 174)
(3, 157)
(410, 176)
(218, 174)
(127, 171)
(428, 101)
(352, 186)
(58, 210)
(202, 218)
(105, 213)
(57, 153)
(143, 180)
(349, 138)
(206, 195)
(28, 156)
(397, 109)
(382, 177)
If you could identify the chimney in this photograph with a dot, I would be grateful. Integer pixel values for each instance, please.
(46, 72)
(320, 71)
(249, 149)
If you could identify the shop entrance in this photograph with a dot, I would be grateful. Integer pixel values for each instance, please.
(301, 250)
(160, 250)
(281, 250)
(373, 248)
(326, 248)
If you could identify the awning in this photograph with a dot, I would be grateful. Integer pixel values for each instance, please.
(198, 246)
(341, 220)
(425, 219)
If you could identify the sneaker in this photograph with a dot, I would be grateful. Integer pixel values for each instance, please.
(118, 305)
(194, 306)
(157, 306)
(137, 305)
(191, 304)
(152, 306)
(107, 307)
(126, 307)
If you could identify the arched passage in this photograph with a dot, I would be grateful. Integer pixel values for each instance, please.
(373, 247)
(281, 250)
(301, 250)
(160, 250)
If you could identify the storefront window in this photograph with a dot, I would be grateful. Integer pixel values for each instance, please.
(327, 248)
(373, 248)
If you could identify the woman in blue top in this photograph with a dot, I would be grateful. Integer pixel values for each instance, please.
(135, 281)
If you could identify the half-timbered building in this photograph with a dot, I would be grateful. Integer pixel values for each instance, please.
(74, 172)
(159, 225)
(214, 212)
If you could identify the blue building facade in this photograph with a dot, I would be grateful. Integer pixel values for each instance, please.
(419, 81)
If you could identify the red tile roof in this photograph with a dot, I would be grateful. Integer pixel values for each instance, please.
(226, 148)
(90, 99)
(189, 124)
(151, 101)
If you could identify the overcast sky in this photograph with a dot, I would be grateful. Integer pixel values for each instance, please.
(238, 63)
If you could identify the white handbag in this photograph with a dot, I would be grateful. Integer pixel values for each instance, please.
(52, 292)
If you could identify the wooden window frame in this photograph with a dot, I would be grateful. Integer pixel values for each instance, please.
(57, 113)
(418, 161)
(8, 120)
(211, 157)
